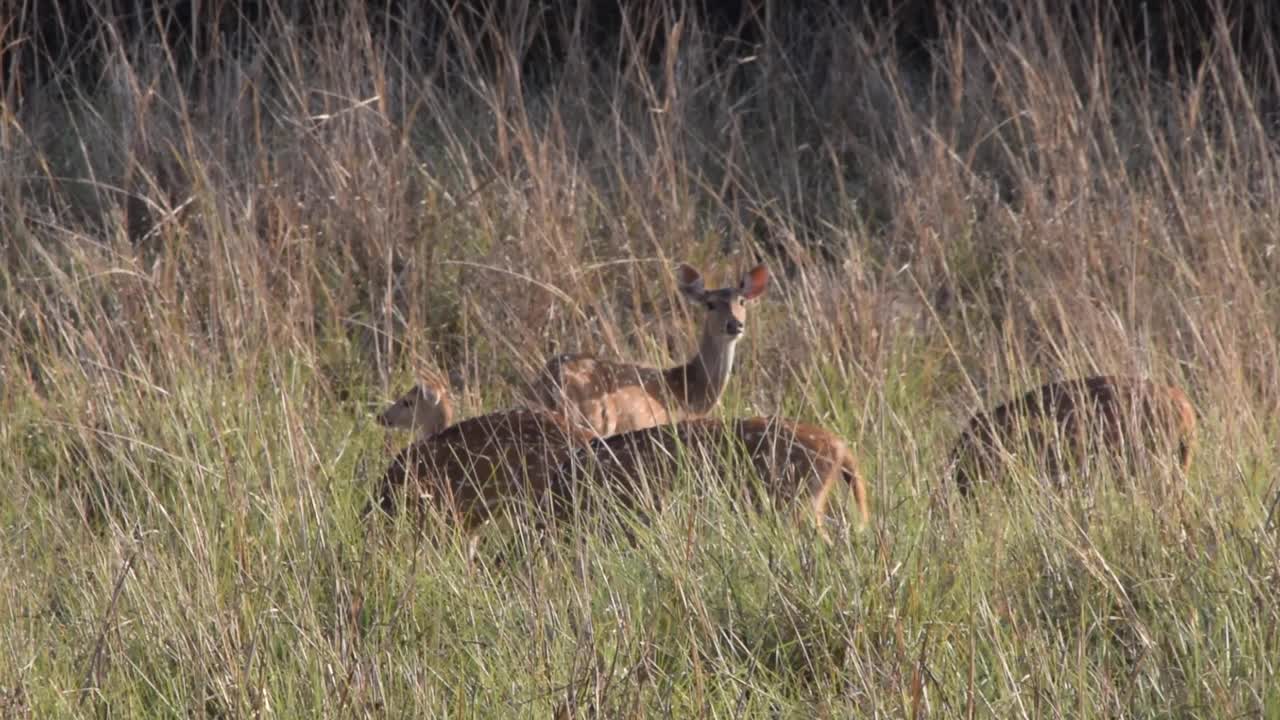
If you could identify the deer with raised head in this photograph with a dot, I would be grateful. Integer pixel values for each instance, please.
(474, 469)
(799, 464)
(1065, 423)
(608, 398)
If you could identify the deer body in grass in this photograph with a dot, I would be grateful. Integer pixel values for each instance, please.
(798, 464)
(1070, 421)
(607, 398)
(475, 469)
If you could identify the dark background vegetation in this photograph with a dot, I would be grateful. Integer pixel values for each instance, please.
(45, 40)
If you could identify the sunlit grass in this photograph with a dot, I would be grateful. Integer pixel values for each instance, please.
(209, 288)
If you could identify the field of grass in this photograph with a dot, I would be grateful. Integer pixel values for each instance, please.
(212, 279)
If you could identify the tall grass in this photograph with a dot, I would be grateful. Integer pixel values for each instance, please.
(213, 275)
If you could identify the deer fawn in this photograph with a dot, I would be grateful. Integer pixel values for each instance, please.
(797, 462)
(425, 409)
(608, 398)
(474, 469)
(1108, 414)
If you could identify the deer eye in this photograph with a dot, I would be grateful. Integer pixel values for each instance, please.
(711, 305)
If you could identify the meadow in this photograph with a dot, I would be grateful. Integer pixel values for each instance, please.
(214, 277)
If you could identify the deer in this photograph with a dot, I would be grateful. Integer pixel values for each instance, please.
(424, 409)
(799, 464)
(607, 398)
(475, 469)
(1067, 421)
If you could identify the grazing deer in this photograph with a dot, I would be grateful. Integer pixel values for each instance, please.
(797, 462)
(474, 469)
(1108, 414)
(608, 398)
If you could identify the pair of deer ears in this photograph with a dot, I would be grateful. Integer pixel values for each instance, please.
(753, 284)
(428, 392)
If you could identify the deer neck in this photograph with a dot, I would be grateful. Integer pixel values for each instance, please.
(701, 381)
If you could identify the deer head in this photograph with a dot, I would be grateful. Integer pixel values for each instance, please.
(424, 409)
(726, 307)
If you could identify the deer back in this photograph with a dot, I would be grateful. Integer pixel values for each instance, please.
(1074, 418)
(480, 466)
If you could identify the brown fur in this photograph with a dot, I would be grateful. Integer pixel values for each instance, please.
(480, 467)
(608, 398)
(797, 462)
(1093, 412)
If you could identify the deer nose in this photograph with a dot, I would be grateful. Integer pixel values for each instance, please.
(734, 327)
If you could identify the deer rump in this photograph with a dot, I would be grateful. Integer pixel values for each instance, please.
(796, 464)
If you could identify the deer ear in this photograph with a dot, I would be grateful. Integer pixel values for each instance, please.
(690, 282)
(754, 282)
(428, 394)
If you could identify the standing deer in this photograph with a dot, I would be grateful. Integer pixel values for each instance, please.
(474, 469)
(1068, 420)
(797, 463)
(608, 398)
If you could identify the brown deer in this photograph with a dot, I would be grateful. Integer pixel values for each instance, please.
(797, 463)
(1066, 421)
(474, 469)
(425, 409)
(608, 398)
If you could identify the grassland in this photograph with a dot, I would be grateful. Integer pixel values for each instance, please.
(211, 280)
